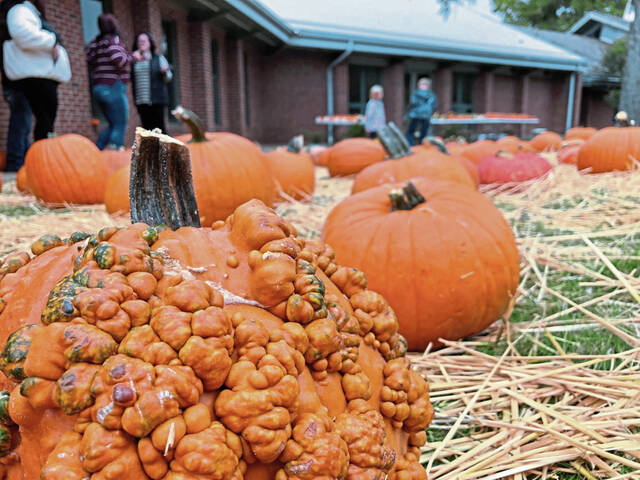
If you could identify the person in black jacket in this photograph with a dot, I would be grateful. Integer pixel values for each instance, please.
(150, 75)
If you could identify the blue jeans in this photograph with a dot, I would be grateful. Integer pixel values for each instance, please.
(19, 128)
(113, 101)
(413, 125)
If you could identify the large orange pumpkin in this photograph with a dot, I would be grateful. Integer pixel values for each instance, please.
(228, 170)
(441, 253)
(238, 351)
(66, 169)
(116, 195)
(116, 159)
(611, 148)
(423, 163)
(480, 149)
(580, 133)
(469, 166)
(546, 141)
(353, 155)
(293, 172)
(504, 167)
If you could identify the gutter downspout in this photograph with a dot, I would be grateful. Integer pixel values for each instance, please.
(570, 101)
(332, 65)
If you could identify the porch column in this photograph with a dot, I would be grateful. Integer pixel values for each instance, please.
(443, 88)
(201, 75)
(393, 83)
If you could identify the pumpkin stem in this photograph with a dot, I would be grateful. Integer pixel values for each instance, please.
(436, 142)
(161, 186)
(406, 198)
(393, 141)
(191, 120)
(295, 144)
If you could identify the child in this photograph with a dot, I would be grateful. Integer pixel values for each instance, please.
(374, 117)
(423, 104)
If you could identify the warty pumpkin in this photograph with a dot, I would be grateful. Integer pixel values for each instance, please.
(580, 133)
(228, 170)
(440, 252)
(505, 167)
(66, 169)
(612, 148)
(116, 195)
(292, 171)
(237, 351)
(546, 142)
(352, 155)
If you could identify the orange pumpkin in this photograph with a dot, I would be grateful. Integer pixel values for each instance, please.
(3, 160)
(156, 353)
(569, 152)
(352, 155)
(611, 148)
(319, 155)
(480, 149)
(228, 170)
(469, 166)
(116, 195)
(116, 159)
(513, 144)
(293, 173)
(505, 167)
(441, 253)
(21, 181)
(546, 142)
(66, 169)
(580, 133)
(425, 163)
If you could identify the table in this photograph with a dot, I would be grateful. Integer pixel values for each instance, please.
(480, 120)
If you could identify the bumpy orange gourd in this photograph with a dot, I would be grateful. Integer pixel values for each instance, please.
(580, 133)
(448, 266)
(546, 141)
(237, 351)
(505, 167)
(425, 163)
(116, 195)
(66, 169)
(352, 155)
(227, 169)
(477, 151)
(293, 172)
(116, 159)
(611, 148)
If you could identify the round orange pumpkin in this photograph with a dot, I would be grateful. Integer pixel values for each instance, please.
(293, 173)
(513, 144)
(612, 148)
(21, 181)
(469, 166)
(425, 163)
(116, 195)
(580, 133)
(319, 155)
(66, 169)
(480, 149)
(240, 349)
(352, 155)
(116, 159)
(546, 142)
(569, 152)
(505, 167)
(441, 253)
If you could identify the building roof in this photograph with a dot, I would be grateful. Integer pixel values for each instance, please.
(413, 28)
(589, 18)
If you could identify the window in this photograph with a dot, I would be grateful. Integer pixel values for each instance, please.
(245, 69)
(463, 92)
(215, 74)
(169, 47)
(361, 79)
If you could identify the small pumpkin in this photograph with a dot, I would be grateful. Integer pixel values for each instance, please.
(292, 171)
(546, 142)
(66, 169)
(505, 167)
(478, 150)
(21, 181)
(569, 152)
(116, 195)
(455, 147)
(580, 133)
(353, 155)
(513, 145)
(3, 160)
(612, 148)
(440, 252)
(116, 159)
(319, 155)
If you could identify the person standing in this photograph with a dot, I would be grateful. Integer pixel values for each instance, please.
(374, 117)
(35, 60)
(109, 64)
(19, 110)
(423, 104)
(150, 74)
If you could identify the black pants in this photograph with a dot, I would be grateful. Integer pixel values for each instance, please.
(152, 116)
(42, 95)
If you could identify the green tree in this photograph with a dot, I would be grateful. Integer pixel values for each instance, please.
(553, 14)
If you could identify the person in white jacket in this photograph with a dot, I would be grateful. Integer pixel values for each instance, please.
(30, 59)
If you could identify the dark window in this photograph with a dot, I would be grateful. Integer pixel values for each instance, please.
(245, 69)
(361, 79)
(463, 92)
(215, 74)
(169, 47)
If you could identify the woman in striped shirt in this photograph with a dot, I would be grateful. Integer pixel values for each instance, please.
(150, 76)
(110, 63)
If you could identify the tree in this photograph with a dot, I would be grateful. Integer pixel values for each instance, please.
(613, 63)
(553, 14)
(630, 92)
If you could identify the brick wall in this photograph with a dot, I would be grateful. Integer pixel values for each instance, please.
(505, 97)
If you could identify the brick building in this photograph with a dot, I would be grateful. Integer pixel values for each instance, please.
(265, 69)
